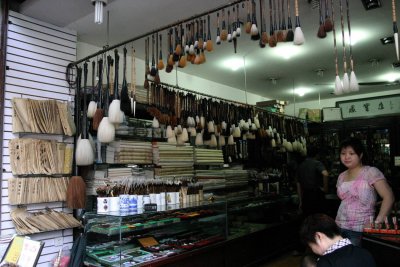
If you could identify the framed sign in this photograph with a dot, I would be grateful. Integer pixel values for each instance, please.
(370, 107)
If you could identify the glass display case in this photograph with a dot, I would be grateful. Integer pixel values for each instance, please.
(138, 238)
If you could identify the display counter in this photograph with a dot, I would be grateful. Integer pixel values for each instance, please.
(384, 248)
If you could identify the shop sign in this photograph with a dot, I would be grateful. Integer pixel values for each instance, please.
(370, 107)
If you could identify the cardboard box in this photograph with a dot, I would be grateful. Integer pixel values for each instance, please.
(314, 115)
(332, 114)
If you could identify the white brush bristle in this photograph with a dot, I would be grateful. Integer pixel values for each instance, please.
(353, 82)
(257, 122)
(338, 86)
(185, 135)
(210, 127)
(223, 125)
(213, 142)
(192, 131)
(346, 83)
(191, 50)
(171, 140)
(202, 122)
(199, 140)
(84, 154)
(221, 140)
(178, 129)
(155, 123)
(298, 36)
(92, 107)
(114, 111)
(106, 131)
(254, 30)
(230, 140)
(218, 40)
(236, 132)
(169, 132)
(238, 31)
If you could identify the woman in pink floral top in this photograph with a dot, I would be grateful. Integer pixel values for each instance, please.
(357, 187)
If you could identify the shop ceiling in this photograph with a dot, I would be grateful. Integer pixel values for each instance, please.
(270, 72)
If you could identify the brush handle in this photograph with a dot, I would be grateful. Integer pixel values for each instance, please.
(283, 14)
(334, 39)
(394, 10)
(160, 55)
(289, 23)
(100, 84)
(78, 101)
(84, 119)
(349, 28)
(343, 42)
(107, 92)
(133, 72)
(93, 78)
(296, 8)
(326, 9)
(209, 30)
(153, 61)
(116, 58)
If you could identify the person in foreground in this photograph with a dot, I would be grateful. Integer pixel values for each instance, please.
(322, 235)
(357, 187)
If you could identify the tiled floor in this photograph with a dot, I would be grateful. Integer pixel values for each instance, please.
(286, 260)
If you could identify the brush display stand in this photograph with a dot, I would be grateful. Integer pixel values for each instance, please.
(137, 237)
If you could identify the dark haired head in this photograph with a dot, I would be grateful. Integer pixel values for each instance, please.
(354, 143)
(318, 223)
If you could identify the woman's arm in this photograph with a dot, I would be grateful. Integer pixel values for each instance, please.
(386, 193)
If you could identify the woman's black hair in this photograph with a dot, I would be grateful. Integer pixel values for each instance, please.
(357, 146)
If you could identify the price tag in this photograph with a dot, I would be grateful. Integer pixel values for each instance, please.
(150, 207)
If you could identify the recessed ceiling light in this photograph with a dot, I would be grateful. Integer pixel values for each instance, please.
(391, 77)
(234, 63)
(301, 91)
(287, 51)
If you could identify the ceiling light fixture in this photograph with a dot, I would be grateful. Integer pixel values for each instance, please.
(98, 10)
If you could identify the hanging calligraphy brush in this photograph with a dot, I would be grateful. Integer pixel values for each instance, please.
(178, 45)
(338, 83)
(125, 99)
(92, 104)
(284, 30)
(234, 33)
(229, 38)
(224, 31)
(290, 34)
(346, 81)
(264, 37)
(170, 62)
(153, 70)
(133, 83)
(353, 79)
(279, 34)
(272, 37)
(395, 30)
(248, 22)
(147, 67)
(328, 21)
(98, 115)
(255, 34)
(106, 130)
(114, 111)
(160, 65)
(238, 28)
(182, 59)
(209, 45)
(298, 33)
(321, 30)
(218, 39)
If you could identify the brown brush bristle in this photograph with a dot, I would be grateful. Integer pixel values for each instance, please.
(200, 44)
(193, 59)
(97, 117)
(197, 60)
(156, 80)
(209, 46)
(169, 68)
(224, 35)
(264, 37)
(171, 59)
(76, 193)
(182, 62)
(248, 27)
(160, 65)
(202, 58)
(146, 83)
(290, 36)
(328, 25)
(284, 32)
(178, 49)
(272, 41)
(279, 36)
(321, 31)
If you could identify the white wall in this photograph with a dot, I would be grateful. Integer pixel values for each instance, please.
(293, 108)
(184, 80)
(37, 54)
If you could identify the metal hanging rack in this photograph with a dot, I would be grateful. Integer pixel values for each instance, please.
(108, 48)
